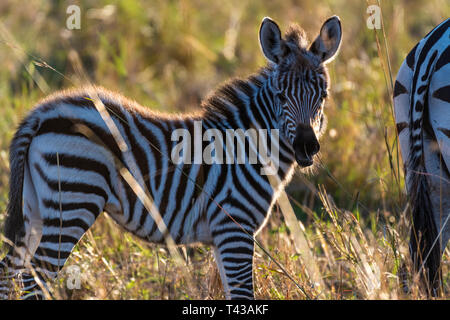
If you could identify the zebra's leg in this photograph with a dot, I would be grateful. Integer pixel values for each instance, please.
(59, 236)
(67, 211)
(22, 250)
(439, 191)
(13, 269)
(10, 267)
(233, 252)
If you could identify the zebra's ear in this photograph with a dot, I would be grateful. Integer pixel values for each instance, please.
(270, 40)
(327, 43)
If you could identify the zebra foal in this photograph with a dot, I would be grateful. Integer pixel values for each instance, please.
(422, 116)
(62, 179)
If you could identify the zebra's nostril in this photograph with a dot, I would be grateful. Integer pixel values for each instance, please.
(315, 148)
(305, 143)
(311, 148)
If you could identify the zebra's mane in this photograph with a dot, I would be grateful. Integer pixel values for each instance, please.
(232, 96)
(295, 36)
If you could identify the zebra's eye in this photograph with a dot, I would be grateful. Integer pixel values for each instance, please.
(281, 98)
(324, 94)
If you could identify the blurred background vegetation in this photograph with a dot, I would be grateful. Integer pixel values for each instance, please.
(168, 55)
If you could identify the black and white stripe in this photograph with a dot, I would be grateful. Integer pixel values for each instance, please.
(422, 112)
(66, 177)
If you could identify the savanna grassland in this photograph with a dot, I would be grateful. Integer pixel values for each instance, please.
(352, 232)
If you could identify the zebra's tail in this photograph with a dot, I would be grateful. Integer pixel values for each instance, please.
(14, 229)
(424, 248)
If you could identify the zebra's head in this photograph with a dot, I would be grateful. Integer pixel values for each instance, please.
(299, 80)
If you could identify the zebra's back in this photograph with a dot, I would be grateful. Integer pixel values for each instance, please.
(74, 144)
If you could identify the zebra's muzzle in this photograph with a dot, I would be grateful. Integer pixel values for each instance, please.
(305, 145)
(304, 163)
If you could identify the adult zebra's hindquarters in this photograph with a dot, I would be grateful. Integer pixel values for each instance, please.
(422, 115)
(65, 179)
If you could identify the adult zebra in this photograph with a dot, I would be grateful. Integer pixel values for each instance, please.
(422, 115)
(64, 164)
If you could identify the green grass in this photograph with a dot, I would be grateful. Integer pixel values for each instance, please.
(167, 55)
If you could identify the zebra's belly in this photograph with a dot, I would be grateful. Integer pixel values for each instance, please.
(184, 227)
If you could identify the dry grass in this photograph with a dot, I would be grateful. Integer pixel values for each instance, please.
(355, 261)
